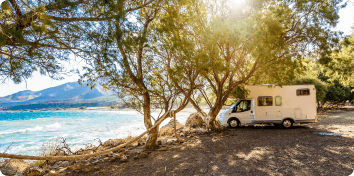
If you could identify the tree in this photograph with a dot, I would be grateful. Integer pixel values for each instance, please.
(127, 60)
(41, 35)
(38, 36)
(339, 64)
(337, 93)
(337, 71)
(262, 40)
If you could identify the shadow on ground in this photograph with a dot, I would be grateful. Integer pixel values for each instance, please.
(252, 150)
(247, 151)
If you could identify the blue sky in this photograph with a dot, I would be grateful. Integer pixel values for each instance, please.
(39, 82)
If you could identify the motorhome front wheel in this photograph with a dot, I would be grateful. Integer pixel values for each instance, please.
(233, 123)
(287, 123)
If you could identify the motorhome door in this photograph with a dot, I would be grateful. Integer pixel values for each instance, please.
(244, 111)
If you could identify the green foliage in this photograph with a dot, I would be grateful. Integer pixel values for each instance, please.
(337, 93)
(340, 63)
(41, 35)
(159, 52)
(240, 92)
(39, 163)
(133, 55)
(260, 42)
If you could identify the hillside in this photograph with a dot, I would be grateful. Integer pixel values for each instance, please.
(67, 95)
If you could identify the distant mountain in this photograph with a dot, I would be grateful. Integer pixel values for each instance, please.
(67, 92)
(19, 96)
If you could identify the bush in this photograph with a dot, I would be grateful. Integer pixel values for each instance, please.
(337, 93)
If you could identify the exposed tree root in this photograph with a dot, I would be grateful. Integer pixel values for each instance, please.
(152, 138)
(214, 125)
(158, 122)
(173, 114)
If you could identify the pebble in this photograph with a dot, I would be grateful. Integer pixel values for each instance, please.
(106, 159)
(117, 156)
(144, 155)
(76, 167)
(124, 158)
(52, 173)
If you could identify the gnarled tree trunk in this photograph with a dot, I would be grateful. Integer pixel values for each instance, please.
(210, 119)
(153, 134)
(211, 122)
(152, 138)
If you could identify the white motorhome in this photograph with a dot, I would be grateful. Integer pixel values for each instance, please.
(269, 104)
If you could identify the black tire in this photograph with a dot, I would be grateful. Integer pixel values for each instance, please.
(234, 123)
(287, 123)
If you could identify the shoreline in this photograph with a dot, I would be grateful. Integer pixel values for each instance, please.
(107, 129)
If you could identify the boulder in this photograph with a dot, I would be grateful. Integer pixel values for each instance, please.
(171, 124)
(170, 141)
(168, 129)
(113, 142)
(124, 158)
(194, 121)
(115, 157)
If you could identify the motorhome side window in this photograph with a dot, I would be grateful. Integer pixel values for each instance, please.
(243, 105)
(278, 101)
(302, 92)
(265, 101)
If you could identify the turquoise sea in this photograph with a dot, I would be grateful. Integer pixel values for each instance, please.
(25, 132)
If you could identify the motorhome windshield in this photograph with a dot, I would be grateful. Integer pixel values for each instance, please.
(241, 106)
(237, 102)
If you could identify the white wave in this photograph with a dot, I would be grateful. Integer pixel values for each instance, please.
(37, 128)
(55, 125)
(8, 132)
(22, 149)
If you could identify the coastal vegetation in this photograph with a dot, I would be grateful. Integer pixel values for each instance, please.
(242, 151)
(165, 55)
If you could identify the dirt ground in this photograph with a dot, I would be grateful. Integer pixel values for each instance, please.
(259, 150)
(252, 150)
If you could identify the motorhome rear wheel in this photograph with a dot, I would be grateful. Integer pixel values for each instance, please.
(287, 123)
